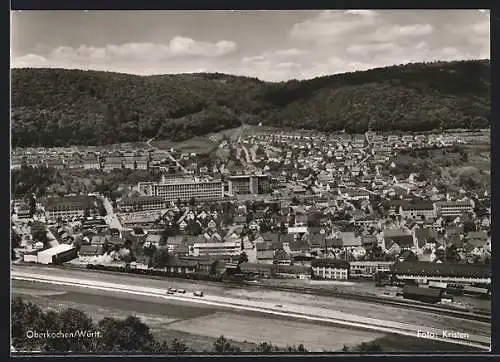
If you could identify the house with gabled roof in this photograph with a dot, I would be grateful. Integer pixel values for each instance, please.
(281, 257)
(425, 238)
(477, 239)
(265, 256)
(399, 237)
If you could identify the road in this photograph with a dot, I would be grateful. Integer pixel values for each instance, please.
(287, 309)
(169, 155)
(297, 301)
(246, 160)
(247, 155)
(111, 218)
(253, 152)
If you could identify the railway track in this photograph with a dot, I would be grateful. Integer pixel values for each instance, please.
(475, 316)
(325, 315)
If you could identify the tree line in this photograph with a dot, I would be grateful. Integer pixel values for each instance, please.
(114, 335)
(56, 107)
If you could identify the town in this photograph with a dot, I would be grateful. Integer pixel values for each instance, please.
(279, 208)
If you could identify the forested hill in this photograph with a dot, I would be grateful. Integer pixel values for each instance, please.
(55, 107)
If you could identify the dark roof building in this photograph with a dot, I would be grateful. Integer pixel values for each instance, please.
(399, 237)
(91, 250)
(424, 236)
(330, 263)
(428, 295)
(292, 269)
(71, 203)
(442, 269)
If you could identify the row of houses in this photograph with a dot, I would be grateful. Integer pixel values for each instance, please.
(429, 210)
(95, 162)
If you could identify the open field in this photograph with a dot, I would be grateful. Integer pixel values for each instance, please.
(317, 338)
(166, 315)
(349, 306)
(232, 133)
(99, 304)
(395, 343)
(198, 145)
(199, 326)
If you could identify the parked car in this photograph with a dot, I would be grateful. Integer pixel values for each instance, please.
(198, 294)
(182, 291)
(173, 290)
(169, 292)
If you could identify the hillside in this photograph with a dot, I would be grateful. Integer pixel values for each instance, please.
(56, 107)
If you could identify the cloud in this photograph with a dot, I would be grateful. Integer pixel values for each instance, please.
(29, 61)
(288, 65)
(362, 49)
(181, 46)
(178, 47)
(180, 55)
(330, 26)
(321, 43)
(369, 13)
(422, 45)
(256, 58)
(388, 33)
(450, 51)
(482, 28)
(292, 52)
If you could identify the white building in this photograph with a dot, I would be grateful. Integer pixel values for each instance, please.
(213, 249)
(453, 208)
(417, 211)
(59, 253)
(184, 189)
(368, 268)
(330, 269)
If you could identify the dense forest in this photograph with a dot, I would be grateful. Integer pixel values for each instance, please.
(57, 107)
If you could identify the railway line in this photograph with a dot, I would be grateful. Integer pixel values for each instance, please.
(287, 310)
(412, 305)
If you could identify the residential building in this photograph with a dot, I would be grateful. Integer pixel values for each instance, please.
(184, 189)
(249, 184)
(90, 253)
(57, 254)
(177, 266)
(281, 257)
(256, 269)
(425, 237)
(350, 240)
(112, 163)
(213, 249)
(399, 237)
(139, 218)
(265, 256)
(292, 271)
(141, 203)
(68, 207)
(153, 239)
(423, 272)
(368, 269)
(453, 208)
(330, 269)
(91, 163)
(418, 211)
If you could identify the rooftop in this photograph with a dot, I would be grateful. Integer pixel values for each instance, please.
(443, 269)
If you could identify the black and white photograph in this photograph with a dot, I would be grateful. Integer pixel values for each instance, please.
(250, 181)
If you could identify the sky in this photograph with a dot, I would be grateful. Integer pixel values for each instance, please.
(270, 45)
